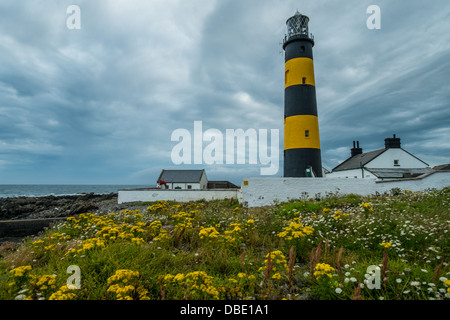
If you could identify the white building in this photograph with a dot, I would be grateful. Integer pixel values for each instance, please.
(183, 179)
(392, 162)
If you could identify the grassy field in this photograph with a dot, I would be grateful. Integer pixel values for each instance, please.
(340, 247)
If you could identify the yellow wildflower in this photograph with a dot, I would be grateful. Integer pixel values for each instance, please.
(276, 276)
(20, 271)
(210, 232)
(386, 244)
(323, 269)
(64, 293)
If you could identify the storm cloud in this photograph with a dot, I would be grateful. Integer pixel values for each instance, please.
(99, 104)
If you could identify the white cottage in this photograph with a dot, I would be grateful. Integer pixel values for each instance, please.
(183, 179)
(392, 162)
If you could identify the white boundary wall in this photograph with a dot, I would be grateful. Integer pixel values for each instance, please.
(259, 192)
(144, 195)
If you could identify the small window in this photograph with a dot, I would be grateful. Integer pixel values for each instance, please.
(304, 80)
(397, 163)
(306, 133)
(286, 77)
(189, 186)
(302, 49)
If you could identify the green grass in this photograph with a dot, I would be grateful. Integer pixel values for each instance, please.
(231, 262)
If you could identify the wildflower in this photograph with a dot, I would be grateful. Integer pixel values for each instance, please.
(122, 275)
(20, 271)
(386, 244)
(365, 205)
(295, 230)
(337, 214)
(37, 243)
(138, 241)
(124, 284)
(210, 232)
(323, 269)
(233, 236)
(276, 276)
(196, 283)
(338, 290)
(179, 277)
(63, 294)
(277, 259)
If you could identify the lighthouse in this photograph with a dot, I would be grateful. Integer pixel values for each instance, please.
(302, 156)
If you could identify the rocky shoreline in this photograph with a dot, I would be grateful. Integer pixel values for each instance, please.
(54, 206)
(26, 216)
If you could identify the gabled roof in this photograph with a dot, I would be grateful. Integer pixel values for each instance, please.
(356, 161)
(181, 176)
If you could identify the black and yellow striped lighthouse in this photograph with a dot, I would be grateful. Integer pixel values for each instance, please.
(302, 156)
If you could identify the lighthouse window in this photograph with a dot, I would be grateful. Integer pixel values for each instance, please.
(304, 80)
(302, 49)
(306, 133)
(286, 76)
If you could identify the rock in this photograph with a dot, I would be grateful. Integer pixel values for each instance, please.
(52, 206)
(24, 216)
(82, 207)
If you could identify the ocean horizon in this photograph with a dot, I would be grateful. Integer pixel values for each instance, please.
(42, 190)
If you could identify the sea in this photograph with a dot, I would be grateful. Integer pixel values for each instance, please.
(41, 190)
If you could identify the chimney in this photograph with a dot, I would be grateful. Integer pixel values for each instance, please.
(392, 142)
(356, 149)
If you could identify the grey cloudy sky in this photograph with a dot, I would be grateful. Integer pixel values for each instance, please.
(98, 105)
